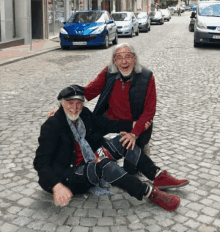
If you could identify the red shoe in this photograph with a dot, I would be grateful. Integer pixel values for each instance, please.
(164, 181)
(165, 200)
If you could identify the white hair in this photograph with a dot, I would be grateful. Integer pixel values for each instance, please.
(112, 68)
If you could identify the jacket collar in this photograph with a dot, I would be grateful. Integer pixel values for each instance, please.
(132, 78)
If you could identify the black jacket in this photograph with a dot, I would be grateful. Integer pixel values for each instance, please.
(55, 155)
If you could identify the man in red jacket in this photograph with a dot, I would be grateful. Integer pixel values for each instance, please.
(127, 92)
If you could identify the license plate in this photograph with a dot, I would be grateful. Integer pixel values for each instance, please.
(216, 37)
(79, 43)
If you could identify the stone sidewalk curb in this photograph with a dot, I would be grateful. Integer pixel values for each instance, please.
(33, 54)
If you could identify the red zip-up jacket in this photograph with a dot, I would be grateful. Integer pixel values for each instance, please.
(119, 105)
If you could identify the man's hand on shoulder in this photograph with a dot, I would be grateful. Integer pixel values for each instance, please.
(52, 112)
(61, 194)
(128, 139)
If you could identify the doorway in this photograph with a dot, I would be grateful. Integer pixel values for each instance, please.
(37, 19)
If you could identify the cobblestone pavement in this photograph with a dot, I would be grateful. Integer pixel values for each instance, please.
(185, 141)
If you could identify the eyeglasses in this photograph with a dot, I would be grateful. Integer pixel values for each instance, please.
(128, 57)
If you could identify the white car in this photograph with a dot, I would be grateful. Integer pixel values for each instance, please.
(166, 14)
(126, 22)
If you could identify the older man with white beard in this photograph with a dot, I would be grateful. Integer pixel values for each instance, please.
(67, 162)
(127, 92)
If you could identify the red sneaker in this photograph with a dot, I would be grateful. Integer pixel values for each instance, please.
(165, 200)
(164, 181)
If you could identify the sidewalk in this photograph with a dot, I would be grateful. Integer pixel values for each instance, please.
(12, 54)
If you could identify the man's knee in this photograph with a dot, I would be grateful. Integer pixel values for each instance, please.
(115, 148)
(110, 171)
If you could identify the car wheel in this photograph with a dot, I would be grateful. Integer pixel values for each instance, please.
(191, 28)
(132, 33)
(168, 20)
(137, 32)
(149, 28)
(65, 47)
(106, 45)
(115, 41)
(196, 45)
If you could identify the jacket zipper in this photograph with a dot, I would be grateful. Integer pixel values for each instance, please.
(123, 85)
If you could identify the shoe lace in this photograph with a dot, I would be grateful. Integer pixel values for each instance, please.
(162, 196)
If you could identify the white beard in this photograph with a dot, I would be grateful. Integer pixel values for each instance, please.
(126, 74)
(73, 118)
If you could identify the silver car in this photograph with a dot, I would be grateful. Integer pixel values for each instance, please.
(126, 22)
(143, 21)
(207, 23)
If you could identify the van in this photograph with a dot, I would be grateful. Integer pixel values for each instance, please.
(207, 23)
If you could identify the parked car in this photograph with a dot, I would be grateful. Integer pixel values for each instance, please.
(173, 8)
(182, 9)
(86, 28)
(192, 21)
(127, 23)
(156, 17)
(143, 21)
(187, 8)
(207, 23)
(193, 8)
(166, 14)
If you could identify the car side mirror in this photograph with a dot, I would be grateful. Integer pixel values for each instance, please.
(111, 21)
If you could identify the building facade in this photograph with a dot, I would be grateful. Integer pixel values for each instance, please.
(15, 21)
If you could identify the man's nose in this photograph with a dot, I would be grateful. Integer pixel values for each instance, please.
(124, 60)
(74, 106)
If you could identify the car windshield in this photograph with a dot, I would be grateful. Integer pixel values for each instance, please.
(158, 13)
(209, 10)
(152, 13)
(121, 17)
(141, 15)
(164, 11)
(87, 17)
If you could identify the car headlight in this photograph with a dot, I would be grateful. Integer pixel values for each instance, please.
(63, 31)
(201, 25)
(98, 30)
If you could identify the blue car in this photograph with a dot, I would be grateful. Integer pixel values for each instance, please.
(193, 8)
(89, 28)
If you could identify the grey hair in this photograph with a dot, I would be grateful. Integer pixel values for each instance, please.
(60, 102)
(112, 68)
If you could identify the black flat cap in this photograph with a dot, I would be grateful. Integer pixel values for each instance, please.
(72, 92)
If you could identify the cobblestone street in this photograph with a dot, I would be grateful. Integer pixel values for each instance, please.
(185, 140)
